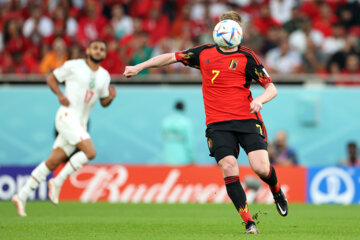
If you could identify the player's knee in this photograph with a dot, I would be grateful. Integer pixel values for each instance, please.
(91, 154)
(261, 171)
(50, 165)
(228, 165)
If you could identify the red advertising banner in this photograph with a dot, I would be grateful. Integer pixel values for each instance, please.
(119, 183)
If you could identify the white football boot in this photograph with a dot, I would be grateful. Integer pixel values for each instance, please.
(54, 191)
(20, 205)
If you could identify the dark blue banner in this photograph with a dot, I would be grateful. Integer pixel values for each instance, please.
(13, 178)
(334, 185)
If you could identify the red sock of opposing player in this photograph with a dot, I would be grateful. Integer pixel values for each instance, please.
(271, 180)
(238, 197)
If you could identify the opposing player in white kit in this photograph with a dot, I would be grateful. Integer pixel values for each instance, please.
(85, 82)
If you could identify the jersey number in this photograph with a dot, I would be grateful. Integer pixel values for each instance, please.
(89, 94)
(258, 125)
(216, 72)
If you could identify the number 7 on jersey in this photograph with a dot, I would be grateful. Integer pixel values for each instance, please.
(216, 72)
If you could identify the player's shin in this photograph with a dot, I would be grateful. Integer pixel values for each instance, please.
(238, 197)
(38, 175)
(271, 180)
(74, 164)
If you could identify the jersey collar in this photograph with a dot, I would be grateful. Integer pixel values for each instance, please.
(87, 63)
(226, 53)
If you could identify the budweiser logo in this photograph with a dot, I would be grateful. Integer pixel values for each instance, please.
(117, 183)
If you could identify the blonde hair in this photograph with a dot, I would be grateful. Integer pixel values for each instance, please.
(231, 15)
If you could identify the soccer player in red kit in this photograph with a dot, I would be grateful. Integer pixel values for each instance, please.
(232, 115)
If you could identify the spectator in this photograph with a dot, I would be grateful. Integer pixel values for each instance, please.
(352, 65)
(75, 52)
(142, 51)
(271, 40)
(347, 14)
(140, 8)
(281, 153)
(254, 40)
(38, 25)
(265, 21)
(59, 32)
(314, 59)
(295, 21)
(13, 40)
(122, 24)
(333, 68)
(69, 23)
(157, 25)
(281, 10)
(349, 48)
(335, 42)
(187, 22)
(252, 7)
(113, 62)
(324, 22)
(90, 26)
(216, 8)
(283, 60)
(311, 8)
(297, 39)
(178, 137)
(352, 158)
(54, 58)
(164, 46)
(184, 27)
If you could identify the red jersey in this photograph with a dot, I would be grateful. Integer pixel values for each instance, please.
(226, 80)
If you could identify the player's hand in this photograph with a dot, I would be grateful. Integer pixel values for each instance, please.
(255, 106)
(131, 71)
(63, 100)
(112, 92)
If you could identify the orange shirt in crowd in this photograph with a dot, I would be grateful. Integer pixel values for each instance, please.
(50, 62)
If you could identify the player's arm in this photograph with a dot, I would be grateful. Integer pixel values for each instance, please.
(158, 61)
(107, 101)
(269, 93)
(188, 57)
(54, 86)
(255, 70)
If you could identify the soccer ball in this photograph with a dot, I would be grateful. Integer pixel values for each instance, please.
(227, 34)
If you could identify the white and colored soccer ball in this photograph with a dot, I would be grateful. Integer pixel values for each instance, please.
(227, 34)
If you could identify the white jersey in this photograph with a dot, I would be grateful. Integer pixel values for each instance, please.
(83, 87)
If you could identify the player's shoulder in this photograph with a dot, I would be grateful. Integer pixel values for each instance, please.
(249, 53)
(246, 50)
(103, 71)
(204, 46)
(74, 62)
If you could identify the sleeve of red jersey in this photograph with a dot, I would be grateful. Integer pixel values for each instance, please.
(256, 70)
(191, 56)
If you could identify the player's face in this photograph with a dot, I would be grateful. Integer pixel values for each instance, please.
(96, 51)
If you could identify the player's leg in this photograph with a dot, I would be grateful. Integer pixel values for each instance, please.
(74, 134)
(259, 162)
(86, 153)
(230, 170)
(38, 175)
(256, 148)
(225, 150)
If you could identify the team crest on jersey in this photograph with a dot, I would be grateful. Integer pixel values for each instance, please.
(92, 83)
(233, 64)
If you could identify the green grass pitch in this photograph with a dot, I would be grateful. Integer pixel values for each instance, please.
(176, 221)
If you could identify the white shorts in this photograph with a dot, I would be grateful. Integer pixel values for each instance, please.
(70, 130)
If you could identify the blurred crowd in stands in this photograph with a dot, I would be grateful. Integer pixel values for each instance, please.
(290, 36)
